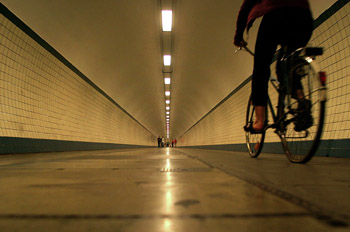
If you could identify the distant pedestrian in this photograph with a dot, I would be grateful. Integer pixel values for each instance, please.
(163, 141)
(159, 139)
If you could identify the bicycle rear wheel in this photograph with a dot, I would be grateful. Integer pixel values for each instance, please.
(254, 142)
(301, 144)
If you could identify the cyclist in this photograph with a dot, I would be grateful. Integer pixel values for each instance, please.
(285, 22)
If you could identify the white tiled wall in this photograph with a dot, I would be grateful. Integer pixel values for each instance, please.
(224, 125)
(42, 98)
(334, 36)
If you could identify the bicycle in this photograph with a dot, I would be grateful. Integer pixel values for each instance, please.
(298, 128)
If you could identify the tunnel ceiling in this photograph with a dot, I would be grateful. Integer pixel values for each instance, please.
(118, 44)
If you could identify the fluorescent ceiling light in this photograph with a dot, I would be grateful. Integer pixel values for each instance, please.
(167, 116)
(167, 20)
(167, 93)
(167, 108)
(167, 101)
(167, 60)
(167, 112)
(167, 80)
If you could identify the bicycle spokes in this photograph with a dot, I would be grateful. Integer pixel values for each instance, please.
(254, 141)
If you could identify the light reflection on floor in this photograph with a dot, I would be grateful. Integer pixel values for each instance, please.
(168, 198)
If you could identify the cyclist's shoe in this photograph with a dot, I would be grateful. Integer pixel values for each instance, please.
(303, 118)
(249, 128)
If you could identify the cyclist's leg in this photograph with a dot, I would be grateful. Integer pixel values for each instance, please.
(299, 24)
(265, 48)
(299, 27)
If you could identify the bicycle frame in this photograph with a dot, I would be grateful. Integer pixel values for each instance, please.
(279, 122)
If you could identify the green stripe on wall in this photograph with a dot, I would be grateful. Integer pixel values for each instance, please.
(327, 148)
(11, 145)
(331, 11)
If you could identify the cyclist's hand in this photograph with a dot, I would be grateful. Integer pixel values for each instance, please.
(238, 40)
(240, 43)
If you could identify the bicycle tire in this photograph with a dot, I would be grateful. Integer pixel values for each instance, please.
(254, 142)
(301, 146)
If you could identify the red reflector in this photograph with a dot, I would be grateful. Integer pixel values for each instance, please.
(323, 77)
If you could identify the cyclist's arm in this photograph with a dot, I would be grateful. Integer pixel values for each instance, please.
(242, 19)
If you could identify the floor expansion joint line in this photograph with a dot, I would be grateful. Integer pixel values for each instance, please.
(316, 212)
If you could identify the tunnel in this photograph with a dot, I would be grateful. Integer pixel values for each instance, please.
(111, 121)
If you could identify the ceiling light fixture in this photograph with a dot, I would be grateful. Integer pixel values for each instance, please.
(167, 80)
(167, 60)
(167, 20)
(167, 93)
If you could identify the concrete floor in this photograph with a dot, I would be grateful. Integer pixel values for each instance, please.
(163, 189)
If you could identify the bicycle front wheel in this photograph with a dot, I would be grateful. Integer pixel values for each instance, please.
(254, 142)
(302, 133)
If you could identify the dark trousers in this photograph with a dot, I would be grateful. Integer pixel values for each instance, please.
(291, 27)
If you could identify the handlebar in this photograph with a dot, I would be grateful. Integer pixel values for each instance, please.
(246, 49)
